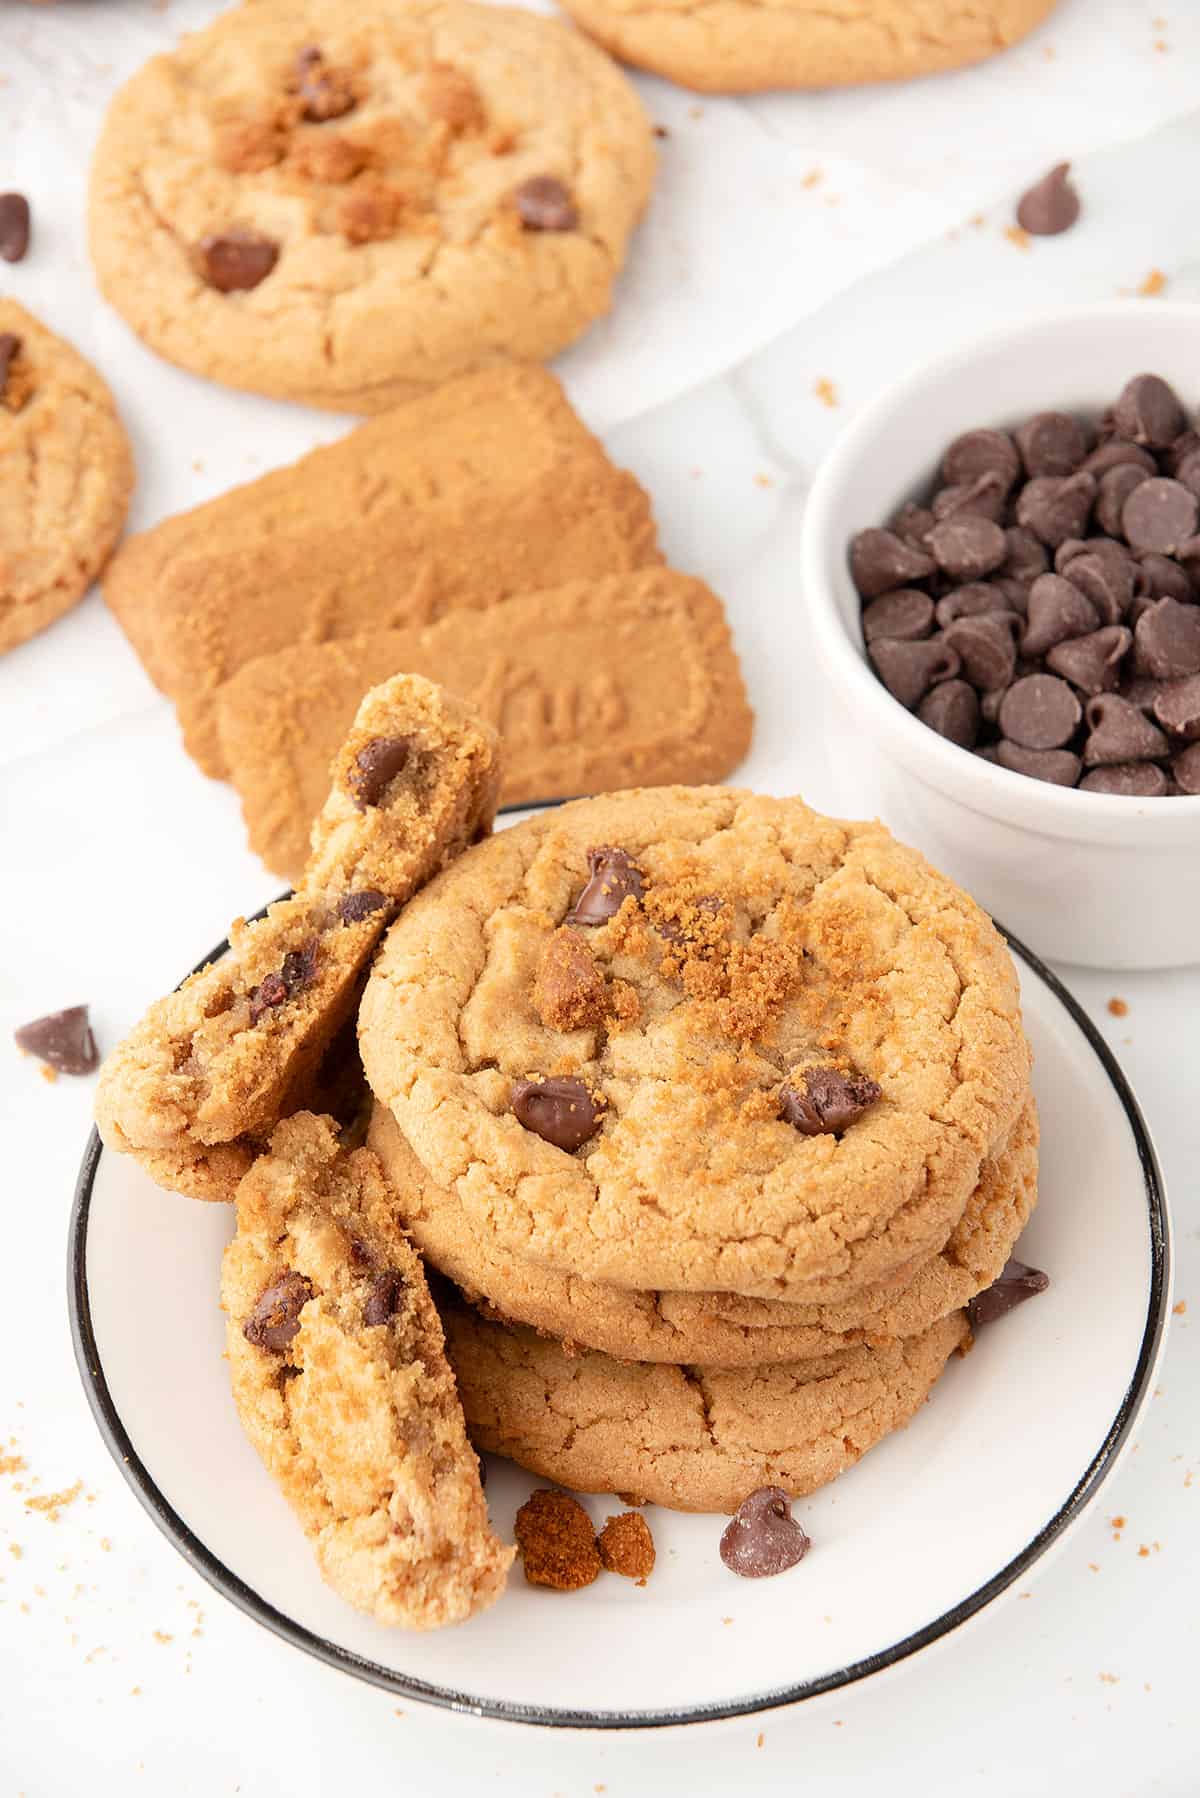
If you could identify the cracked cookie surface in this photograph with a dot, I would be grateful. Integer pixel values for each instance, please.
(691, 1438)
(745, 46)
(195, 1088)
(66, 474)
(755, 947)
(337, 1360)
(715, 1328)
(343, 205)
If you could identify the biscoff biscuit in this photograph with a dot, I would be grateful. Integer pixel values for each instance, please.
(487, 488)
(630, 680)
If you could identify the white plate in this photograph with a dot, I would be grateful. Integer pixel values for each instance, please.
(933, 1525)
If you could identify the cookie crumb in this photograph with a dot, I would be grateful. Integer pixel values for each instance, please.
(627, 1547)
(761, 1739)
(556, 1541)
(569, 990)
(1119, 1008)
(1153, 284)
(661, 131)
(1178, 1309)
(160, 1635)
(1018, 237)
(826, 392)
(16, 1463)
(49, 1074)
(813, 178)
(1110, 1679)
(52, 1503)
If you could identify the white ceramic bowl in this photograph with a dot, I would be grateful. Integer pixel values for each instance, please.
(1082, 877)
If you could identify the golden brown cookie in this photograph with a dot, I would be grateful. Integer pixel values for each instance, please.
(743, 46)
(344, 205)
(339, 1374)
(489, 487)
(804, 1044)
(718, 1329)
(690, 1438)
(624, 681)
(209, 1071)
(66, 474)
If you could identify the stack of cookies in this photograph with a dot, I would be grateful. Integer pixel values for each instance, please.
(717, 1114)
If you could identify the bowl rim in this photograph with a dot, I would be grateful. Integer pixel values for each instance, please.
(1033, 805)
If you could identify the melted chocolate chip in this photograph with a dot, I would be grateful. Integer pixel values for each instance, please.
(613, 877)
(14, 226)
(324, 93)
(544, 203)
(762, 1537)
(1050, 206)
(560, 1110)
(376, 767)
(828, 1102)
(10, 345)
(1016, 1284)
(275, 1319)
(357, 906)
(384, 1296)
(62, 1039)
(298, 970)
(236, 260)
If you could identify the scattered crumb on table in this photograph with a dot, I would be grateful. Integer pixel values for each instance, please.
(1119, 1008)
(1153, 284)
(1178, 1309)
(825, 391)
(1015, 235)
(52, 1503)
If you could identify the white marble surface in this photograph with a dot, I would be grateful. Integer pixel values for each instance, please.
(123, 1672)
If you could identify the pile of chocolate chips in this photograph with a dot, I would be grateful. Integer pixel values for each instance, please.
(1043, 610)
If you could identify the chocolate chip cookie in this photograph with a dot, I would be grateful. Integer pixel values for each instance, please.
(343, 205)
(719, 1329)
(209, 1071)
(66, 474)
(339, 1374)
(694, 1039)
(690, 1438)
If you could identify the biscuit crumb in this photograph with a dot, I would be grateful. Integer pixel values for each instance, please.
(52, 1503)
(1110, 1679)
(1178, 1309)
(16, 1463)
(1016, 236)
(161, 1635)
(49, 1074)
(1153, 284)
(1119, 1008)
(825, 391)
(556, 1541)
(569, 990)
(813, 178)
(761, 1739)
(627, 1547)
(452, 98)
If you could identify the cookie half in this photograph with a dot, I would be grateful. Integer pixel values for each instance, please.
(695, 1039)
(717, 1329)
(742, 46)
(339, 1374)
(66, 474)
(690, 1438)
(343, 205)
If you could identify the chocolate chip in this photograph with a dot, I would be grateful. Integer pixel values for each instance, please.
(560, 1110)
(1161, 578)
(1127, 780)
(1118, 452)
(985, 497)
(1178, 451)
(1105, 578)
(1057, 610)
(10, 345)
(1112, 491)
(298, 971)
(1186, 769)
(908, 670)
(545, 203)
(1187, 472)
(913, 524)
(1142, 692)
(275, 1319)
(1014, 593)
(613, 877)
(1092, 663)
(357, 906)
(1026, 557)
(1167, 640)
(1176, 705)
(978, 453)
(971, 601)
(1058, 766)
(762, 1538)
(1040, 712)
(953, 711)
(906, 613)
(1149, 413)
(376, 767)
(968, 546)
(236, 260)
(828, 1102)
(384, 1296)
(1052, 443)
(14, 226)
(1016, 1284)
(1119, 732)
(1056, 507)
(986, 647)
(324, 93)
(1159, 515)
(1050, 206)
(62, 1039)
